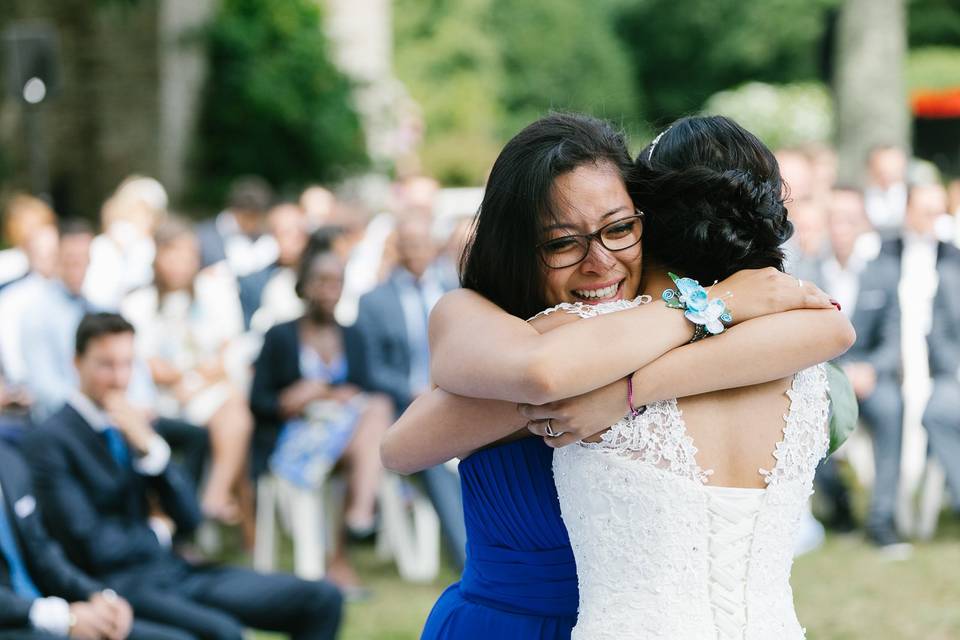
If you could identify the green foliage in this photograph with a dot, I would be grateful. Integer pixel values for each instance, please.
(933, 68)
(563, 56)
(483, 69)
(686, 51)
(274, 104)
(933, 22)
(449, 60)
(780, 115)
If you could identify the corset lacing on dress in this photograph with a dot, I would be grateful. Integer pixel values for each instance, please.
(732, 515)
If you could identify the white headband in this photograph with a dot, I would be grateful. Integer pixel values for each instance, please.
(653, 145)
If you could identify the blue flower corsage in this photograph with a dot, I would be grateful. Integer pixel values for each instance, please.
(709, 317)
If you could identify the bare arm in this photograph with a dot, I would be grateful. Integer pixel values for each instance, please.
(764, 349)
(481, 351)
(440, 426)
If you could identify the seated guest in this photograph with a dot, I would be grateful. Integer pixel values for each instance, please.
(867, 291)
(20, 296)
(942, 415)
(309, 415)
(121, 257)
(47, 327)
(236, 236)
(42, 595)
(267, 296)
(186, 322)
(115, 501)
(392, 353)
(22, 219)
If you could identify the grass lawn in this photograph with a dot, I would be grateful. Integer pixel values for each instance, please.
(844, 591)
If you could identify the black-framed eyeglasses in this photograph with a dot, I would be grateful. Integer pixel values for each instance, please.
(566, 251)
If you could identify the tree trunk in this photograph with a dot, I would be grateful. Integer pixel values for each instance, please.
(869, 82)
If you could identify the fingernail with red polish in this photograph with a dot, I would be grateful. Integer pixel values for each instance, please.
(836, 304)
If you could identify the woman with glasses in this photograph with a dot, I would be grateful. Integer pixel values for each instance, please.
(557, 226)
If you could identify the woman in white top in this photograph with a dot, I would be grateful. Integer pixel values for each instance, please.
(187, 321)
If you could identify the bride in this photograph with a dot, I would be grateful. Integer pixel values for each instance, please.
(559, 186)
(682, 518)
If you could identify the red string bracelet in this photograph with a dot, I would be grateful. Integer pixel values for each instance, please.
(634, 412)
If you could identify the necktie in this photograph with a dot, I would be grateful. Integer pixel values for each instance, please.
(117, 446)
(22, 584)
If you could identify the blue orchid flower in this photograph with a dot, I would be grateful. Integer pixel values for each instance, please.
(711, 316)
(694, 296)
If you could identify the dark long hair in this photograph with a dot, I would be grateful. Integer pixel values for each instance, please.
(713, 199)
(500, 260)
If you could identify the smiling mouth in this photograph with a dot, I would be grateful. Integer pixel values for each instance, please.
(602, 294)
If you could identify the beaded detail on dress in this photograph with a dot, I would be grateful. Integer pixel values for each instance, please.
(661, 553)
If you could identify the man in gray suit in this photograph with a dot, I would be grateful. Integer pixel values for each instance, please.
(388, 348)
(942, 415)
(866, 287)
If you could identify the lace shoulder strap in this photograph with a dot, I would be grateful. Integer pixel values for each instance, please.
(586, 310)
(657, 437)
(806, 435)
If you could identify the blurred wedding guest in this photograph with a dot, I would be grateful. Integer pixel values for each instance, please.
(797, 171)
(42, 594)
(942, 415)
(865, 284)
(392, 351)
(311, 416)
(823, 162)
(17, 298)
(121, 257)
(267, 296)
(808, 247)
(447, 264)
(237, 235)
(49, 322)
(23, 217)
(415, 195)
(187, 321)
(318, 204)
(886, 190)
(369, 243)
(116, 502)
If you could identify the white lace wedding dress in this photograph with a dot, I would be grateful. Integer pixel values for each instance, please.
(663, 554)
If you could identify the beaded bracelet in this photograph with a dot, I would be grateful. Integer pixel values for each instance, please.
(708, 316)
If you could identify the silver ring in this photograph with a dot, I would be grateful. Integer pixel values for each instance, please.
(550, 432)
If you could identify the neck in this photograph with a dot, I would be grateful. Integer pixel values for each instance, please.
(655, 280)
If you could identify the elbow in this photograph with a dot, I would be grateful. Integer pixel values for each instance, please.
(391, 458)
(539, 383)
(844, 336)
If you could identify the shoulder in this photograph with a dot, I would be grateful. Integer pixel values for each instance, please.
(282, 332)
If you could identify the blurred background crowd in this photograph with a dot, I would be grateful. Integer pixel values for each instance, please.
(225, 223)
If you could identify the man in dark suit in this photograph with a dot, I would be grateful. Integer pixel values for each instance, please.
(942, 415)
(866, 287)
(116, 502)
(41, 594)
(388, 347)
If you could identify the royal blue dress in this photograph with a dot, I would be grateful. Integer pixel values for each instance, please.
(520, 580)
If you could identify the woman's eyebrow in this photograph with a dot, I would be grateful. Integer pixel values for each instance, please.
(567, 225)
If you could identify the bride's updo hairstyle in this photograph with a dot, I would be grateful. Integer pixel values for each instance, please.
(500, 260)
(713, 200)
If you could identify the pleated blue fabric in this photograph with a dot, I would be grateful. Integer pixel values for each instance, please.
(520, 580)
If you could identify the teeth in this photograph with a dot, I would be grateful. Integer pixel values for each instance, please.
(597, 293)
